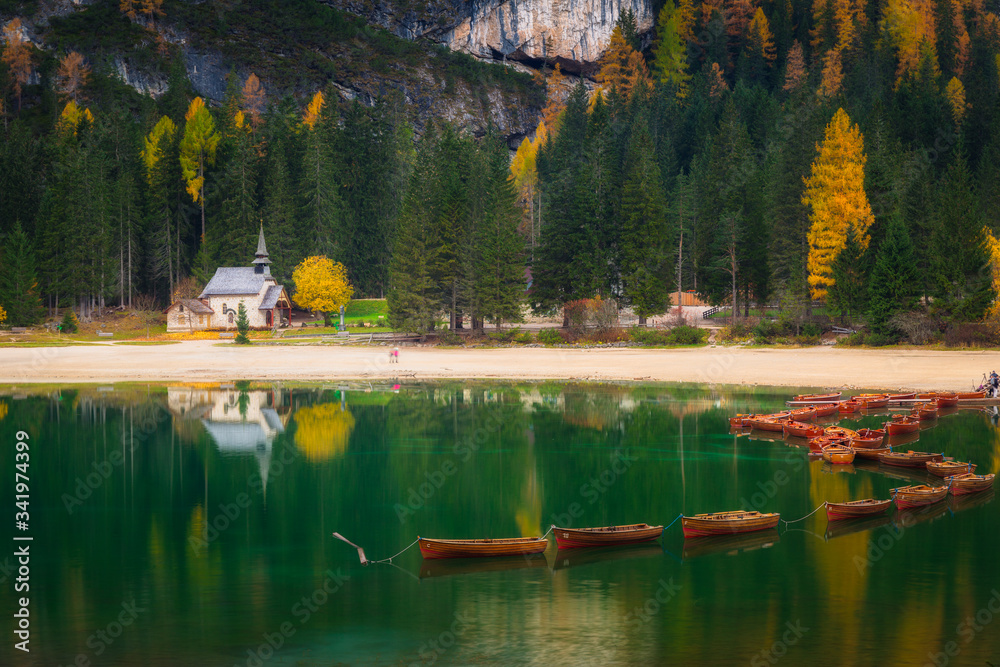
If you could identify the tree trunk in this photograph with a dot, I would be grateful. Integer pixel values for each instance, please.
(642, 320)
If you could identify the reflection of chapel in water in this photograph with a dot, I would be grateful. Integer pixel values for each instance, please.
(239, 422)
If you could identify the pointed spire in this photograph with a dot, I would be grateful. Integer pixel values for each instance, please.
(262, 257)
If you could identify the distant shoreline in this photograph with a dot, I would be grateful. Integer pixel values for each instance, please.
(208, 361)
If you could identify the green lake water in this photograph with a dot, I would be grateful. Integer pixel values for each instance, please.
(191, 525)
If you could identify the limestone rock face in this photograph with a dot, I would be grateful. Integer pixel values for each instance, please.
(577, 30)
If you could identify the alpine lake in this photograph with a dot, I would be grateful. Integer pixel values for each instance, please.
(192, 525)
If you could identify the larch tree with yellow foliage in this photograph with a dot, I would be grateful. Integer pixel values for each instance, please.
(524, 176)
(835, 195)
(622, 67)
(670, 50)
(321, 285)
(17, 57)
(197, 151)
(158, 149)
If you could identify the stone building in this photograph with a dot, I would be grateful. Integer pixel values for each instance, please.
(266, 302)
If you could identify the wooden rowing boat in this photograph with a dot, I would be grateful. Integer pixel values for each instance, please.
(949, 468)
(825, 410)
(740, 421)
(909, 459)
(901, 424)
(802, 414)
(917, 496)
(827, 440)
(841, 432)
(838, 454)
(925, 411)
(848, 407)
(572, 538)
(856, 509)
(871, 453)
(868, 438)
(943, 398)
(872, 401)
(903, 397)
(727, 523)
(767, 423)
(819, 398)
(511, 546)
(965, 483)
(800, 430)
(971, 395)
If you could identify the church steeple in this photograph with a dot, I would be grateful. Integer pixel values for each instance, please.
(261, 261)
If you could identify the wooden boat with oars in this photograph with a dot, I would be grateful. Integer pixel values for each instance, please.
(841, 432)
(943, 398)
(872, 401)
(849, 407)
(823, 441)
(901, 424)
(802, 414)
(740, 421)
(838, 454)
(909, 459)
(903, 397)
(971, 395)
(871, 453)
(767, 423)
(919, 495)
(728, 523)
(868, 438)
(818, 398)
(949, 468)
(825, 410)
(795, 429)
(925, 411)
(571, 538)
(511, 546)
(969, 483)
(856, 509)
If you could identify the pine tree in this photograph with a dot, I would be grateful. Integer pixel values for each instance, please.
(197, 151)
(158, 156)
(19, 294)
(646, 264)
(849, 290)
(234, 231)
(322, 209)
(242, 325)
(893, 278)
(835, 192)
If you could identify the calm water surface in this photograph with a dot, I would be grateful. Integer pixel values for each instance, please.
(191, 525)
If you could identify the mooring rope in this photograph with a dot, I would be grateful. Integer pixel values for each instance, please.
(361, 552)
(673, 522)
(818, 508)
(548, 531)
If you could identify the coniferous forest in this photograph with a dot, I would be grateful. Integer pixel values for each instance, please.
(835, 154)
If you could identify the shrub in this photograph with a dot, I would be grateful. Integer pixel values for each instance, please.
(449, 337)
(969, 334)
(764, 331)
(524, 337)
(504, 335)
(645, 336)
(69, 322)
(600, 313)
(917, 327)
(550, 337)
(853, 340)
(811, 330)
(878, 340)
(806, 340)
(685, 335)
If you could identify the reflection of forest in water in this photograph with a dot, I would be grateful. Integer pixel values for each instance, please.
(382, 465)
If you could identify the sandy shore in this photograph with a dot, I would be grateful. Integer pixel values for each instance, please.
(209, 361)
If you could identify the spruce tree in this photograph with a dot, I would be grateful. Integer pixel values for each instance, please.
(849, 291)
(242, 325)
(892, 285)
(19, 294)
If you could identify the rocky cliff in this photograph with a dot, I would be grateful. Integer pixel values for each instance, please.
(577, 31)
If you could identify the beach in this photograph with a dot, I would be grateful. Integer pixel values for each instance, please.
(208, 361)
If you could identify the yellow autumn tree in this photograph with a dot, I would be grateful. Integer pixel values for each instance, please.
(72, 118)
(17, 57)
(909, 26)
(622, 67)
(993, 245)
(3, 315)
(313, 110)
(323, 431)
(835, 195)
(71, 77)
(759, 36)
(795, 68)
(254, 99)
(321, 284)
(556, 94)
(955, 94)
(198, 147)
(833, 75)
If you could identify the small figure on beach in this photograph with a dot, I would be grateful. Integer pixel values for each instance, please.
(394, 356)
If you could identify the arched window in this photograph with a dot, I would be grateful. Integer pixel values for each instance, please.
(231, 318)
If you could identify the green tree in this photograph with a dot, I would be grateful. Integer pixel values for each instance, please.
(19, 294)
(849, 291)
(892, 284)
(322, 210)
(234, 230)
(242, 325)
(197, 150)
(670, 52)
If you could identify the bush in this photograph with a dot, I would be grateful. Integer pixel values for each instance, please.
(853, 340)
(764, 331)
(878, 340)
(645, 336)
(524, 337)
(970, 334)
(685, 335)
(806, 340)
(550, 337)
(449, 337)
(811, 330)
(597, 312)
(504, 335)
(69, 322)
(917, 327)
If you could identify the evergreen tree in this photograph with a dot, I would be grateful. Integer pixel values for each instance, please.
(19, 294)
(322, 210)
(234, 230)
(892, 283)
(242, 325)
(849, 291)
(646, 242)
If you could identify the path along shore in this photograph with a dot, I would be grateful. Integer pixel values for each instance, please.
(207, 361)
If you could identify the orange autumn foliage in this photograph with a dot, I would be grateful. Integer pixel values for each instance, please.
(622, 67)
(71, 77)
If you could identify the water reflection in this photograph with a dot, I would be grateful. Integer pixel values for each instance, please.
(179, 525)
